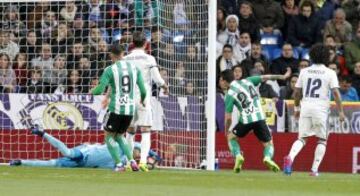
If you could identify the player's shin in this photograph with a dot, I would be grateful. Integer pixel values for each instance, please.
(269, 151)
(113, 148)
(234, 146)
(319, 155)
(145, 146)
(130, 139)
(124, 146)
(296, 148)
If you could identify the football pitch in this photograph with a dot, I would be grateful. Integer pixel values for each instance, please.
(27, 181)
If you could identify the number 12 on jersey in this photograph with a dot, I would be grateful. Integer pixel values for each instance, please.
(312, 86)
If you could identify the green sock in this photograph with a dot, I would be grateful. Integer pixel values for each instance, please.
(113, 148)
(124, 146)
(269, 151)
(234, 147)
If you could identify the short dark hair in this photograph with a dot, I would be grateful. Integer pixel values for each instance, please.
(117, 49)
(227, 75)
(139, 39)
(345, 79)
(307, 4)
(228, 46)
(319, 54)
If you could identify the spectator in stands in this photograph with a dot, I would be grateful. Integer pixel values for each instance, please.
(59, 71)
(21, 69)
(80, 28)
(74, 83)
(68, 12)
(348, 93)
(44, 62)
(248, 22)
(231, 6)
(115, 13)
(330, 41)
(269, 14)
(85, 68)
(352, 51)
(335, 67)
(339, 27)
(339, 60)
(256, 54)
(62, 38)
(265, 89)
(95, 37)
(47, 25)
(324, 10)
(77, 51)
(35, 84)
(303, 63)
(11, 21)
(101, 59)
(36, 15)
(30, 45)
(239, 72)
(221, 20)
(231, 34)
(6, 46)
(287, 92)
(157, 91)
(290, 10)
(280, 65)
(352, 10)
(190, 89)
(242, 49)
(304, 29)
(7, 75)
(146, 10)
(93, 13)
(179, 13)
(156, 38)
(356, 77)
(226, 60)
(179, 79)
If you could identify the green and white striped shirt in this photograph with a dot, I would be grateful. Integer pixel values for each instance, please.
(243, 95)
(121, 77)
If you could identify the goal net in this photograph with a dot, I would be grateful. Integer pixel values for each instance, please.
(53, 52)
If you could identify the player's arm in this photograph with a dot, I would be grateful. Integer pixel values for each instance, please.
(104, 82)
(276, 77)
(141, 85)
(229, 106)
(297, 99)
(155, 75)
(337, 99)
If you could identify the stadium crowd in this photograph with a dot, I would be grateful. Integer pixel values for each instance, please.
(62, 47)
(268, 36)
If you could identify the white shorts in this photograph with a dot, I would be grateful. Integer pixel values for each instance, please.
(142, 116)
(315, 125)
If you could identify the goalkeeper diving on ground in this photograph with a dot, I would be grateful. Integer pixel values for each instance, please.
(84, 155)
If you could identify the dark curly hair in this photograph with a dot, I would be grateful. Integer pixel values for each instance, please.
(320, 54)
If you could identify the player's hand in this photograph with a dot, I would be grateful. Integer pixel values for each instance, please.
(342, 116)
(166, 89)
(288, 73)
(104, 103)
(143, 103)
(297, 115)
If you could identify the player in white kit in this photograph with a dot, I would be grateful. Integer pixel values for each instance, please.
(143, 115)
(313, 88)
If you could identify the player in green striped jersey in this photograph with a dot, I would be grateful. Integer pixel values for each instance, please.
(121, 77)
(243, 95)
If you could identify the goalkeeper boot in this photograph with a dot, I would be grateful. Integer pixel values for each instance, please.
(287, 165)
(143, 167)
(119, 168)
(239, 160)
(271, 165)
(36, 130)
(134, 166)
(15, 162)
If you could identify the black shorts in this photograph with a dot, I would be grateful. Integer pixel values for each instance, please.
(260, 129)
(115, 123)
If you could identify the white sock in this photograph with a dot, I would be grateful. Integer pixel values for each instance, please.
(296, 148)
(319, 155)
(145, 146)
(130, 140)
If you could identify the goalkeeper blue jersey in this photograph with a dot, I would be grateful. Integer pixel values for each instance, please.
(97, 156)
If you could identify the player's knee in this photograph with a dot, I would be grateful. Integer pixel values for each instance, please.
(303, 140)
(269, 143)
(230, 136)
(322, 141)
(145, 129)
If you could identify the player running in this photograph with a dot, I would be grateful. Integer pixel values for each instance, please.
(143, 114)
(243, 95)
(84, 155)
(121, 76)
(313, 89)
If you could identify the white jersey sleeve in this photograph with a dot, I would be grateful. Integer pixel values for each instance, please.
(299, 82)
(156, 77)
(334, 82)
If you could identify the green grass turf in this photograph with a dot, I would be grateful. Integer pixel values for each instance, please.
(53, 181)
